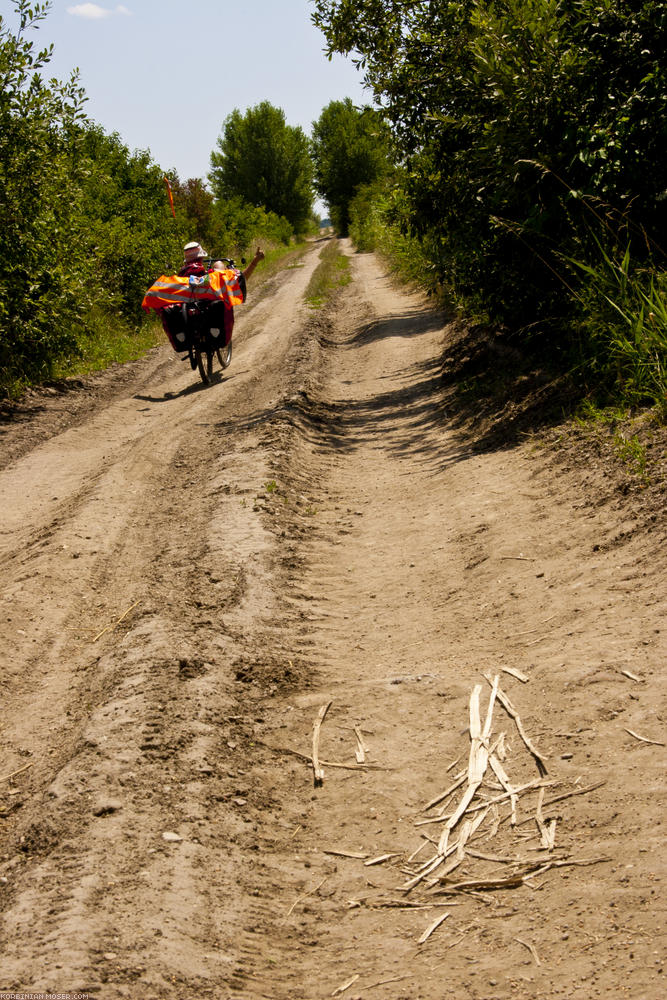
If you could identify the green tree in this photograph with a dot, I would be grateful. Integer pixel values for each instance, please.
(84, 224)
(350, 148)
(266, 162)
(125, 223)
(40, 290)
(514, 119)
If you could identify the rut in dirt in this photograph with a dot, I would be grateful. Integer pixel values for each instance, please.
(313, 530)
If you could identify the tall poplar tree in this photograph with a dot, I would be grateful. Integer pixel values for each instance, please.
(266, 162)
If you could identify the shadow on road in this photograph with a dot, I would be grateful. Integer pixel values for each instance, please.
(484, 390)
(168, 397)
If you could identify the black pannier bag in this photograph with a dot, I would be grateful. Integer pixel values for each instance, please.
(219, 320)
(175, 326)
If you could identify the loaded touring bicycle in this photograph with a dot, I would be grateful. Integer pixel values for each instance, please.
(197, 312)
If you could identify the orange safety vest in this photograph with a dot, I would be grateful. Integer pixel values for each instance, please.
(216, 286)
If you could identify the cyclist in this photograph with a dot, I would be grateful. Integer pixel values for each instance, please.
(194, 254)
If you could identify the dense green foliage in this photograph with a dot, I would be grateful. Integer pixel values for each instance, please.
(229, 226)
(532, 133)
(265, 162)
(38, 195)
(350, 147)
(84, 224)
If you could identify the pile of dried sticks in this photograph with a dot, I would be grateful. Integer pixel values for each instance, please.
(455, 863)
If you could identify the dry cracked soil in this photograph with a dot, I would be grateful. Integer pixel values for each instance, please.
(208, 593)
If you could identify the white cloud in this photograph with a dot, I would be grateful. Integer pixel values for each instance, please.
(94, 12)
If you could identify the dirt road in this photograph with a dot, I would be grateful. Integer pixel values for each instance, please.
(190, 575)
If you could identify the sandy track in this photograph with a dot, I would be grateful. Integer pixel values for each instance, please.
(312, 530)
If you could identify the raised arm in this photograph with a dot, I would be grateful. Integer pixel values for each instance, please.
(253, 264)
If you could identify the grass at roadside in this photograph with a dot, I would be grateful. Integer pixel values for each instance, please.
(112, 341)
(331, 273)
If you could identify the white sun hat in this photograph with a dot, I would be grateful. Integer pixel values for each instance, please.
(193, 251)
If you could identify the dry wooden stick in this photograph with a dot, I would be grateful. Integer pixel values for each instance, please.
(428, 867)
(517, 879)
(345, 986)
(302, 897)
(325, 763)
(113, 625)
(427, 840)
(565, 795)
(318, 773)
(504, 780)
(426, 870)
(477, 762)
(509, 882)
(534, 642)
(541, 825)
(358, 855)
(379, 860)
(511, 711)
(497, 858)
(486, 731)
(8, 777)
(384, 982)
(432, 927)
(530, 948)
(361, 746)
(467, 831)
(473, 713)
(568, 863)
(577, 791)
(537, 783)
(495, 822)
(499, 748)
(644, 739)
(458, 781)
(456, 816)
(516, 673)
(551, 829)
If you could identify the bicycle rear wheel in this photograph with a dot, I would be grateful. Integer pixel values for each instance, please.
(204, 363)
(225, 355)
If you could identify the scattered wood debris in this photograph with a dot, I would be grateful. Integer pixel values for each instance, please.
(480, 799)
(384, 982)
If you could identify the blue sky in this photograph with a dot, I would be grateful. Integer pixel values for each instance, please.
(165, 74)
